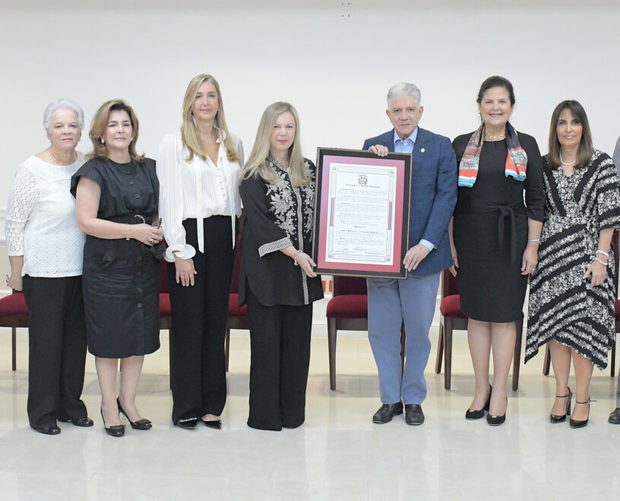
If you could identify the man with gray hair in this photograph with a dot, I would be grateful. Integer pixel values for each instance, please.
(412, 301)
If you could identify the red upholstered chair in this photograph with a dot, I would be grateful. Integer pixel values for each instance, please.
(165, 315)
(237, 315)
(348, 310)
(612, 358)
(14, 314)
(452, 318)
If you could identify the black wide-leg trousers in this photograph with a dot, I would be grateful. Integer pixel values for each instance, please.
(280, 351)
(56, 349)
(199, 314)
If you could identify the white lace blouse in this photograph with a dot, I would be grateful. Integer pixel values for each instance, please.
(196, 189)
(41, 223)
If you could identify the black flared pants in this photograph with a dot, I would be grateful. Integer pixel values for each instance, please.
(280, 351)
(56, 349)
(199, 315)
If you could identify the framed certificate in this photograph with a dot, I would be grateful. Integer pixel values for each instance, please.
(361, 217)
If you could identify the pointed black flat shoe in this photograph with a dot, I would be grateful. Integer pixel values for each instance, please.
(554, 418)
(118, 430)
(140, 424)
(216, 424)
(187, 423)
(83, 422)
(614, 417)
(47, 429)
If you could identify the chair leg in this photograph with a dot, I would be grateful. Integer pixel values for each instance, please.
(547, 362)
(403, 339)
(227, 347)
(447, 377)
(331, 344)
(439, 348)
(517, 355)
(14, 348)
(613, 361)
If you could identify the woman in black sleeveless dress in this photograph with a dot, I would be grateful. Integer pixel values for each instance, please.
(117, 197)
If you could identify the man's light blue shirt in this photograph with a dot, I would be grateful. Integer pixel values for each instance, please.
(406, 146)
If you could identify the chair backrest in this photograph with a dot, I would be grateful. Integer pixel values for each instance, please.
(349, 285)
(449, 284)
(234, 279)
(163, 277)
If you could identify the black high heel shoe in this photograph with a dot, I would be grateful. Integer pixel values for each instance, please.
(118, 430)
(497, 420)
(477, 414)
(580, 423)
(554, 418)
(140, 424)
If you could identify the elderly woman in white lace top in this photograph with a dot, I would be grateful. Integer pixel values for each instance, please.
(45, 252)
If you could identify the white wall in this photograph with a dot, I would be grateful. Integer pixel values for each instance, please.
(333, 59)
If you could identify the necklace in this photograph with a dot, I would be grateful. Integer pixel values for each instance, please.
(489, 137)
(567, 164)
(211, 138)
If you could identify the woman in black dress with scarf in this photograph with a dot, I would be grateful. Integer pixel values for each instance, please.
(496, 238)
(116, 203)
(277, 279)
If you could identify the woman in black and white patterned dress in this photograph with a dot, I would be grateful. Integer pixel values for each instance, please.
(572, 295)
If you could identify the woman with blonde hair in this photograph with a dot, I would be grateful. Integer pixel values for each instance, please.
(116, 195)
(277, 279)
(198, 169)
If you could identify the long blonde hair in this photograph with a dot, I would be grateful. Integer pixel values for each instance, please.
(100, 122)
(257, 163)
(190, 135)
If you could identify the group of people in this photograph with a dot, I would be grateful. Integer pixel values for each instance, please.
(85, 239)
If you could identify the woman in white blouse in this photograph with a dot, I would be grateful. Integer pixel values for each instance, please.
(45, 253)
(198, 170)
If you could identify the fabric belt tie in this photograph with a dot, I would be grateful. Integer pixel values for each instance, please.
(507, 211)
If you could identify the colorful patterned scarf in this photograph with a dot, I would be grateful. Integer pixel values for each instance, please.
(516, 159)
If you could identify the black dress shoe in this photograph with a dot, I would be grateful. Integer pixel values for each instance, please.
(580, 423)
(386, 412)
(83, 422)
(118, 430)
(497, 420)
(478, 414)
(413, 414)
(614, 417)
(140, 424)
(216, 424)
(47, 429)
(555, 418)
(187, 423)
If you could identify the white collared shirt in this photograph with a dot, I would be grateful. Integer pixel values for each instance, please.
(195, 189)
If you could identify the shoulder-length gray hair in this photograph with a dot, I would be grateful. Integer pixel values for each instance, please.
(62, 104)
(257, 163)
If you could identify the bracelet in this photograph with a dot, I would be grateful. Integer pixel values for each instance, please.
(127, 234)
(297, 253)
(534, 240)
(602, 262)
(601, 251)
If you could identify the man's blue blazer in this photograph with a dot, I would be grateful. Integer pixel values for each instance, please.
(433, 195)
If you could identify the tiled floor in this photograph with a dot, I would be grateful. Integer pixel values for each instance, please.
(337, 455)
